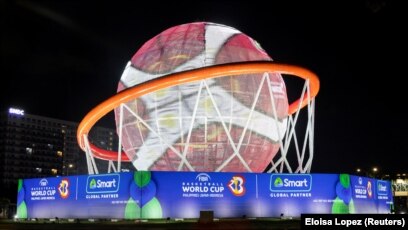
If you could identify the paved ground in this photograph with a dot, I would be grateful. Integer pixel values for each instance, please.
(235, 224)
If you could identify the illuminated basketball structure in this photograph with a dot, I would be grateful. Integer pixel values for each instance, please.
(204, 97)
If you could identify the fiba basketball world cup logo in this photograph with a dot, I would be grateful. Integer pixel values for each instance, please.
(63, 188)
(200, 126)
(236, 185)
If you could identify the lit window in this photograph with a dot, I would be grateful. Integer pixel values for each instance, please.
(54, 171)
(59, 153)
(29, 150)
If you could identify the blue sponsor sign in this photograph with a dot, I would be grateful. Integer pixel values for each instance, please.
(290, 182)
(363, 187)
(382, 188)
(146, 195)
(384, 196)
(108, 183)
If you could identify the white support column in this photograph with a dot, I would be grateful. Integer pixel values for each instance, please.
(308, 165)
(291, 136)
(190, 129)
(111, 166)
(88, 154)
(227, 131)
(92, 169)
(120, 137)
(275, 114)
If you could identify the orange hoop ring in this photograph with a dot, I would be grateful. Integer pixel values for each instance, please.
(229, 69)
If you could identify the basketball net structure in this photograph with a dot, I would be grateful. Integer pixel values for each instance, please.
(206, 97)
(304, 151)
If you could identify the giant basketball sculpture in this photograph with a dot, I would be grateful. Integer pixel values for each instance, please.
(203, 97)
(202, 103)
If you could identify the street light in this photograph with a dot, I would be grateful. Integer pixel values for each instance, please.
(372, 172)
(375, 172)
(70, 168)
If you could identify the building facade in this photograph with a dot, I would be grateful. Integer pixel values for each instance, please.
(34, 146)
(400, 189)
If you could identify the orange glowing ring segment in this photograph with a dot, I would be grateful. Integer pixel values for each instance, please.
(230, 69)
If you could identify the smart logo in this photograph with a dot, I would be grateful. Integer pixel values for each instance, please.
(92, 184)
(291, 183)
(382, 188)
(107, 183)
(236, 185)
(278, 182)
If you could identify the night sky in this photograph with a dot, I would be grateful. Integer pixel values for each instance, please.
(61, 58)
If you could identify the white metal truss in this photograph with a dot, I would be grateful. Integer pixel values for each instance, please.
(291, 136)
(400, 185)
(92, 168)
(290, 143)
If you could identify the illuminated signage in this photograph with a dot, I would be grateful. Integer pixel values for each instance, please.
(202, 186)
(16, 111)
(236, 185)
(103, 183)
(203, 177)
(184, 194)
(369, 189)
(290, 183)
(363, 189)
(63, 188)
(43, 192)
(43, 182)
(382, 188)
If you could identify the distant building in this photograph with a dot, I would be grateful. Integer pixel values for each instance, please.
(34, 146)
(400, 189)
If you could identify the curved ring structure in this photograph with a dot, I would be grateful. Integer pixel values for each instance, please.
(179, 78)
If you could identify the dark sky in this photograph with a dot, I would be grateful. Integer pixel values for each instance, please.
(61, 58)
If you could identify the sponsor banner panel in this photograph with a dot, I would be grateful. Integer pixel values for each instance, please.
(133, 195)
